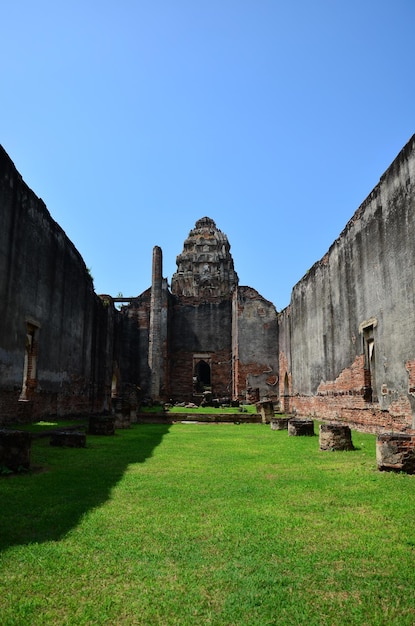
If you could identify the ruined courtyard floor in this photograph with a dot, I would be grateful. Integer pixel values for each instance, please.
(220, 524)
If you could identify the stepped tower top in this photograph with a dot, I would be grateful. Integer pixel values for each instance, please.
(205, 267)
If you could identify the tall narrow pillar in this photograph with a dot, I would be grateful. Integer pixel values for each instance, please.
(155, 334)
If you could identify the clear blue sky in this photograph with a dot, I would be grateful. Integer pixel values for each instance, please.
(133, 119)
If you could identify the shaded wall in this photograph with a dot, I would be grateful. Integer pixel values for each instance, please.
(56, 337)
(347, 347)
(200, 333)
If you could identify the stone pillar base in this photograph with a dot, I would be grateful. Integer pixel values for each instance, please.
(280, 423)
(396, 452)
(15, 447)
(335, 437)
(102, 425)
(300, 427)
(68, 439)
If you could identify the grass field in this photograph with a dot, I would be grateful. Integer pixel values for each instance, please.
(207, 524)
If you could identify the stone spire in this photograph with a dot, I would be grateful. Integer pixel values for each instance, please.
(205, 267)
(155, 330)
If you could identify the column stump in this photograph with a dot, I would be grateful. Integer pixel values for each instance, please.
(101, 425)
(279, 423)
(300, 427)
(15, 447)
(68, 439)
(335, 437)
(266, 410)
(395, 452)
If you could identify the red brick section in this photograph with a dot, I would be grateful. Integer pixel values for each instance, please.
(350, 381)
(396, 452)
(355, 412)
(343, 400)
(181, 375)
(410, 367)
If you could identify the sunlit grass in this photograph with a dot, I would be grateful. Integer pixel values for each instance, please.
(207, 524)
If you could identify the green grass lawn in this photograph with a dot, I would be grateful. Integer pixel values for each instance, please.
(207, 524)
(206, 410)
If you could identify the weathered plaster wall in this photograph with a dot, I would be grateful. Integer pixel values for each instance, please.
(47, 299)
(350, 322)
(255, 345)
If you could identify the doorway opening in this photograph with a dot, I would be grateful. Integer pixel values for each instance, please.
(202, 374)
(286, 394)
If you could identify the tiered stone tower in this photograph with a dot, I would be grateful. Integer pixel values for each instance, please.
(205, 267)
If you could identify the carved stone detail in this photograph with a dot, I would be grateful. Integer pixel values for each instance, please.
(205, 268)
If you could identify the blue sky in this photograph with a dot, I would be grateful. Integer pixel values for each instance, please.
(133, 119)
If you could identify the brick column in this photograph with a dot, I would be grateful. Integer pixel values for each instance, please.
(155, 338)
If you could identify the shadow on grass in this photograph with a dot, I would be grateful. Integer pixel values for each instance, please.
(66, 483)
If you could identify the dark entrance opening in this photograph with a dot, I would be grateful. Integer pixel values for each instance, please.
(286, 394)
(202, 373)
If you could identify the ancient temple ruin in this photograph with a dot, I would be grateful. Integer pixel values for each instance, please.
(342, 351)
(194, 338)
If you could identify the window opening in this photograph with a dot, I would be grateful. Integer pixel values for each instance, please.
(370, 364)
(30, 362)
(114, 386)
(202, 375)
(286, 394)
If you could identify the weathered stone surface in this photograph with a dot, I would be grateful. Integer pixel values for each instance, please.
(68, 439)
(266, 410)
(396, 452)
(300, 427)
(347, 346)
(335, 437)
(102, 425)
(205, 267)
(122, 413)
(58, 339)
(15, 448)
(279, 423)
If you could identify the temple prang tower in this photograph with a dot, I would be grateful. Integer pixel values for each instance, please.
(201, 320)
(205, 268)
(194, 331)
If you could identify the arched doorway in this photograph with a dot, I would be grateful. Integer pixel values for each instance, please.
(202, 374)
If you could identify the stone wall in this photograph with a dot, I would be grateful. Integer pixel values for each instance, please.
(347, 345)
(255, 345)
(200, 333)
(56, 335)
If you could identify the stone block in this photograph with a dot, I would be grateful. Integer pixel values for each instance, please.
(300, 427)
(102, 425)
(68, 439)
(396, 452)
(15, 447)
(280, 423)
(335, 437)
(266, 410)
